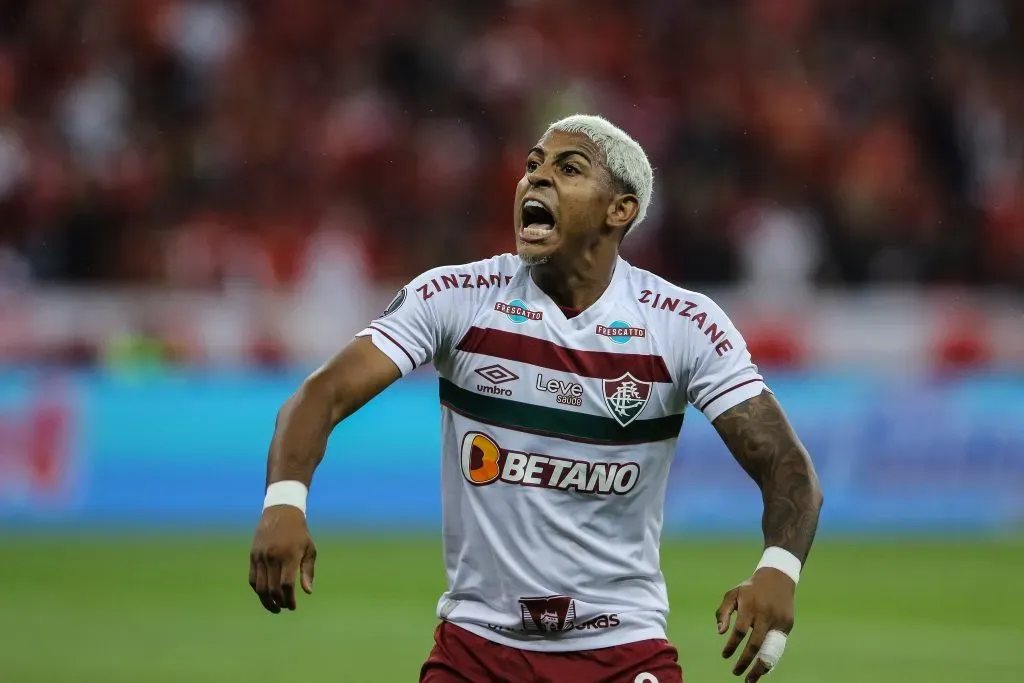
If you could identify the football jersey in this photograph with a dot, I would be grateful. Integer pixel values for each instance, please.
(557, 437)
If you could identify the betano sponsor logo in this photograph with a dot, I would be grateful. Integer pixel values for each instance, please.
(484, 462)
(517, 311)
(566, 393)
(620, 332)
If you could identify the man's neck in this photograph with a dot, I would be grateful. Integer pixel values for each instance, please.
(575, 285)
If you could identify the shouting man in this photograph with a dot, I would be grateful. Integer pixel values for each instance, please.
(564, 376)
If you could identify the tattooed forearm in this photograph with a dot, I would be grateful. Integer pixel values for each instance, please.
(762, 441)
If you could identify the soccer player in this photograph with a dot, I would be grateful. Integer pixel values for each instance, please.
(564, 375)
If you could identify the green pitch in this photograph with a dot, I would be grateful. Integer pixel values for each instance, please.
(179, 610)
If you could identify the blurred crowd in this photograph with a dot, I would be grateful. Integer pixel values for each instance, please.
(323, 144)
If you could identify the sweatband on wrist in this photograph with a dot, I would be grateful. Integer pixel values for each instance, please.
(286, 493)
(783, 560)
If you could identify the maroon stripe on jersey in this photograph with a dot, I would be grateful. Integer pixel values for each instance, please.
(545, 354)
(395, 342)
(733, 388)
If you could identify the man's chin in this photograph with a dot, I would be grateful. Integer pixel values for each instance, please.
(533, 259)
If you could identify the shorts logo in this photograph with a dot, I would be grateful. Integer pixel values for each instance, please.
(484, 462)
(395, 304)
(620, 332)
(517, 311)
(626, 397)
(645, 678)
(552, 613)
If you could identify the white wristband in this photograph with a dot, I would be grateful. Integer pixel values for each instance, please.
(783, 560)
(286, 493)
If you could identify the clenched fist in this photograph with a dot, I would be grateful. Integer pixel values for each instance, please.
(281, 548)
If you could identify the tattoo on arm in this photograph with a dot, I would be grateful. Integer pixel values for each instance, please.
(763, 442)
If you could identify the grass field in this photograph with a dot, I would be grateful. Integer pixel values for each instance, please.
(176, 610)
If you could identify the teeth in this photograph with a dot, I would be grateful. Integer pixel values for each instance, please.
(534, 202)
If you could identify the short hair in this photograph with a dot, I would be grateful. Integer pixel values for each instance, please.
(623, 156)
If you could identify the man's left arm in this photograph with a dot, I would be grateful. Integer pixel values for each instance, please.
(759, 436)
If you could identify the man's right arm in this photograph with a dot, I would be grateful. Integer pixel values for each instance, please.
(418, 325)
(339, 388)
(282, 546)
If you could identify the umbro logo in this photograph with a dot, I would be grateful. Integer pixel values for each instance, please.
(497, 374)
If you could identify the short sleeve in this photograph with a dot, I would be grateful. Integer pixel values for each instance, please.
(413, 329)
(428, 316)
(721, 371)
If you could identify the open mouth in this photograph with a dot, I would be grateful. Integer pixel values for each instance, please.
(537, 220)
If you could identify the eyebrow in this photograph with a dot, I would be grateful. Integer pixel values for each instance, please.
(564, 154)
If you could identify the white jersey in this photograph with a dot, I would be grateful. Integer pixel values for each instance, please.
(558, 434)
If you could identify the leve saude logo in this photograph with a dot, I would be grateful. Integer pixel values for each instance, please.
(620, 332)
(517, 311)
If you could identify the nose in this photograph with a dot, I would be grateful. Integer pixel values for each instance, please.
(539, 178)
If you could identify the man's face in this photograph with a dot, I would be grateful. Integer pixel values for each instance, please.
(563, 199)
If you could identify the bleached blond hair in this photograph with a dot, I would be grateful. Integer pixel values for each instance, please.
(624, 158)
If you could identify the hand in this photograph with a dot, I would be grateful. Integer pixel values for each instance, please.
(281, 547)
(762, 604)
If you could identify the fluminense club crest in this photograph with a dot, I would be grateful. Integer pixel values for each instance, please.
(626, 397)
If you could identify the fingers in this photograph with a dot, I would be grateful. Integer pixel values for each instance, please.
(308, 562)
(274, 588)
(744, 618)
(289, 568)
(280, 548)
(724, 613)
(752, 648)
(274, 580)
(262, 587)
(760, 669)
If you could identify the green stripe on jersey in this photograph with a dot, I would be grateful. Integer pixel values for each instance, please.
(556, 422)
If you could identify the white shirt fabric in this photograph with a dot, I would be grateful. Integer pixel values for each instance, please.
(557, 437)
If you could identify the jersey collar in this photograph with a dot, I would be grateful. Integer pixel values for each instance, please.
(592, 315)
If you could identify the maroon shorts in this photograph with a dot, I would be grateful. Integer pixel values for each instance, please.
(463, 657)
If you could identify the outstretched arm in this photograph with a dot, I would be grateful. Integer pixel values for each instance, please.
(340, 387)
(761, 439)
(282, 544)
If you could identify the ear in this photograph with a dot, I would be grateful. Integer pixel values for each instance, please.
(622, 210)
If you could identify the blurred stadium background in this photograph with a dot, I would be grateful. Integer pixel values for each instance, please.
(201, 199)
